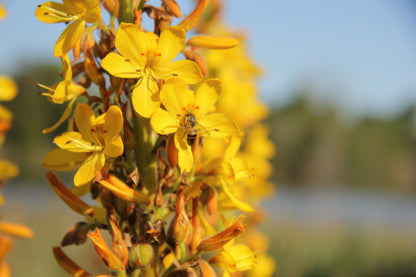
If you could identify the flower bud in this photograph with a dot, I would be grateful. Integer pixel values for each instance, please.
(213, 42)
(172, 151)
(142, 254)
(111, 5)
(198, 59)
(173, 8)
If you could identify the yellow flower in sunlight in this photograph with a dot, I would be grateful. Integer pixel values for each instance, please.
(234, 258)
(187, 115)
(146, 56)
(78, 11)
(97, 138)
(8, 88)
(64, 91)
(3, 12)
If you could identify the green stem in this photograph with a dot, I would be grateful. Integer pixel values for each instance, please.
(146, 160)
(126, 11)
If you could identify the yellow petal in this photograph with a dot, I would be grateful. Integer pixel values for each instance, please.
(69, 37)
(175, 96)
(185, 157)
(233, 147)
(218, 125)
(213, 42)
(164, 122)
(120, 67)
(145, 96)
(8, 170)
(133, 44)
(238, 203)
(114, 147)
(5, 114)
(3, 12)
(93, 11)
(187, 70)
(63, 117)
(94, 163)
(111, 260)
(14, 229)
(170, 43)
(63, 160)
(206, 96)
(113, 121)
(84, 117)
(74, 142)
(53, 12)
(8, 88)
(73, 202)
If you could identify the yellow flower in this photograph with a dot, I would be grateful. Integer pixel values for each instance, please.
(146, 56)
(3, 12)
(97, 138)
(78, 11)
(187, 116)
(63, 91)
(234, 258)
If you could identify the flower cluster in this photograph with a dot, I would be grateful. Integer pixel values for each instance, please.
(170, 147)
(8, 170)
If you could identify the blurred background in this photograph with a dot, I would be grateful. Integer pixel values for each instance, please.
(339, 78)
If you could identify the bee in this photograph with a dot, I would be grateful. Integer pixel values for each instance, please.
(190, 127)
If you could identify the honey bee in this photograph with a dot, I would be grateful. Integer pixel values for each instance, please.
(190, 127)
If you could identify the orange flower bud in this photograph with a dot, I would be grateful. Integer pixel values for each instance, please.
(5, 270)
(209, 198)
(111, 5)
(92, 70)
(172, 151)
(5, 246)
(68, 265)
(173, 8)
(213, 42)
(193, 18)
(206, 269)
(220, 239)
(123, 191)
(68, 197)
(198, 59)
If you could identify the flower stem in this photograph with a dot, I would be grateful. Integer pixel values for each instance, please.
(126, 11)
(146, 160)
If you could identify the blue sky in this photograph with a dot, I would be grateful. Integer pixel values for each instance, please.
(358, 54)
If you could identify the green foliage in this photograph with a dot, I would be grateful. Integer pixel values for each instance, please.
(316, 146)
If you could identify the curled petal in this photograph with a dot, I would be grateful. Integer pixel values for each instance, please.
(69, 265)
(68, 197)
(108, 257)
(123, 191)
(69, 37)
(63, 160)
